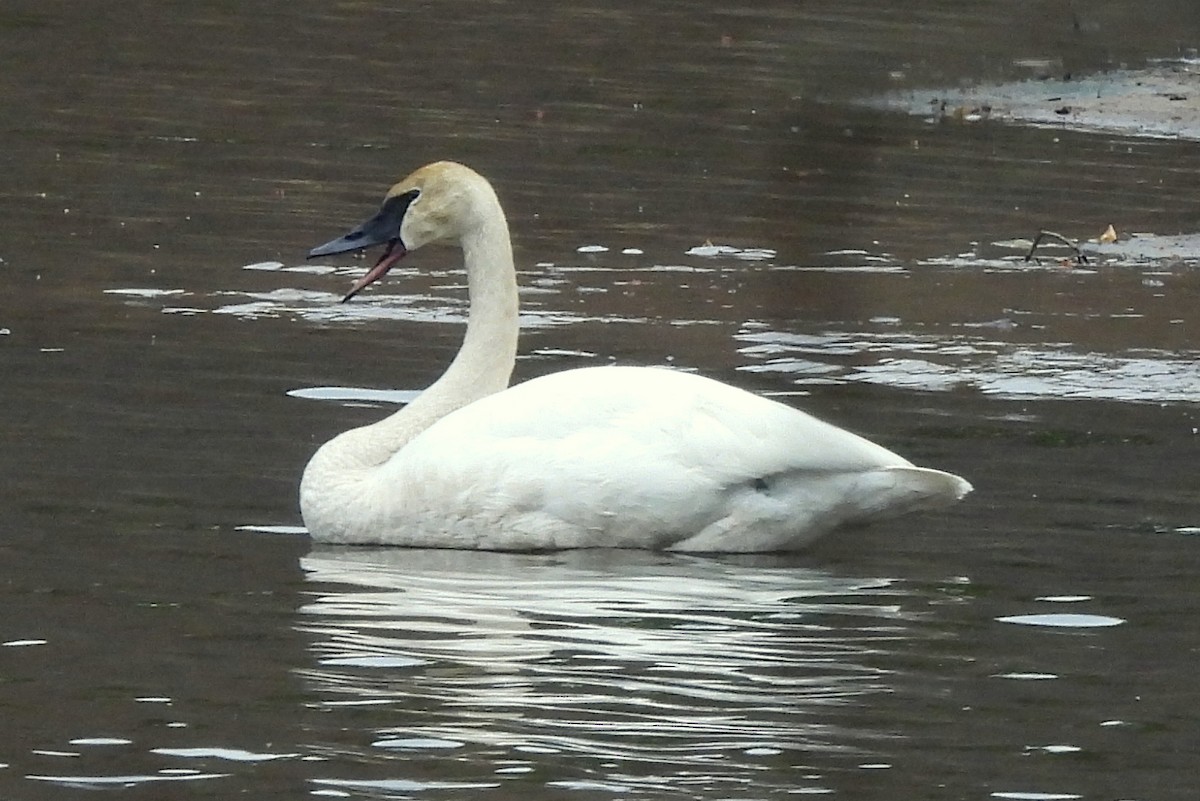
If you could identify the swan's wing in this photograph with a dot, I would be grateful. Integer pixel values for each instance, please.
(647, 458)
(700, 420)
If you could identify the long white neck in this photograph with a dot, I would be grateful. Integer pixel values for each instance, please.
(483, 366)
(484, 363)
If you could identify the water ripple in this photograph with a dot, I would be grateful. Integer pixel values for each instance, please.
(938, 362)
(665, 665)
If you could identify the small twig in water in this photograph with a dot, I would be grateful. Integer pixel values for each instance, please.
(1079, 257)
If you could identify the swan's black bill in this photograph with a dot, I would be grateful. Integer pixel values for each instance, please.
(382, 229)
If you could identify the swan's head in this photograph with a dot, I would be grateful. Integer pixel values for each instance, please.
(439, 202)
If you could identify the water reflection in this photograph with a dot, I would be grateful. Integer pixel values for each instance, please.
(984, 332)
(124, 782)
(639, 670)
(899, 358)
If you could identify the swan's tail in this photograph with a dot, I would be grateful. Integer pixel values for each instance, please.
(899, 490)
(791, 511)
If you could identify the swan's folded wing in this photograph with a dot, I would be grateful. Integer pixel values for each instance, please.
(640, 457)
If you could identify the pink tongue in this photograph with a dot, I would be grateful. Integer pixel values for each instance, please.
(388, 260)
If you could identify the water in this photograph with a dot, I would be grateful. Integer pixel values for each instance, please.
(694, 185)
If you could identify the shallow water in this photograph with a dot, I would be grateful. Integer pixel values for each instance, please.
(690, 185)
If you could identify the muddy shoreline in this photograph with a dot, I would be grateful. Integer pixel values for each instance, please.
(1159, 102)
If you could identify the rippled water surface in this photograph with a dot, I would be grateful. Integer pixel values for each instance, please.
(697, 185)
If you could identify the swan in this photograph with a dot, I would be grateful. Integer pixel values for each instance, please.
(612, 456)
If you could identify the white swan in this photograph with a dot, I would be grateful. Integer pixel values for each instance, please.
(627, 457)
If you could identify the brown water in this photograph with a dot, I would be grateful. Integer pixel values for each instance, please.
(167, 165)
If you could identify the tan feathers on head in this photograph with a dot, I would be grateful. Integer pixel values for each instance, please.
(448, 203)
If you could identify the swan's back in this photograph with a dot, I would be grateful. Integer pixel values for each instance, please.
(636, 457)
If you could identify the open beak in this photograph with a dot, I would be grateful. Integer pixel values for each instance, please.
(391, 254)
(382, 229)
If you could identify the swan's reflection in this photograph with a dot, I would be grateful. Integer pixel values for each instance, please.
(621, 657)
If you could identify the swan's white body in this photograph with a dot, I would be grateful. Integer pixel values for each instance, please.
(627, 457)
